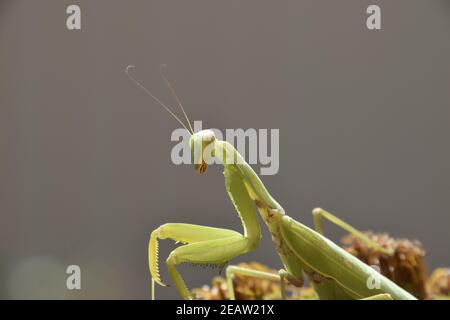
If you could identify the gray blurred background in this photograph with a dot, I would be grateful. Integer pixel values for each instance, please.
(85, 169)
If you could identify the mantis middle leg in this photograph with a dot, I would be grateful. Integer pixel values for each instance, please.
(281, 277)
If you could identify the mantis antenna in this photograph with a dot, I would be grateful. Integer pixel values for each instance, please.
(127, 71)
(172, 89)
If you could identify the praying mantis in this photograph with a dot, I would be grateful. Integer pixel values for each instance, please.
(304, 252)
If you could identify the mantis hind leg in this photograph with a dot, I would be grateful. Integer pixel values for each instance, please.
(205, 245)
(320, 214)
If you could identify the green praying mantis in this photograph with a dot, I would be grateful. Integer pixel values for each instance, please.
(304, 252)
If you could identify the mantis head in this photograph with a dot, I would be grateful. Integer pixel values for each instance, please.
(202, 145)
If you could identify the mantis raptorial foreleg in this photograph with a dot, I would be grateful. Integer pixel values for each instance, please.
(204, 245)
(207, 245)
(319, 214)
